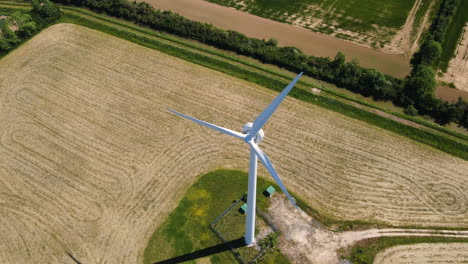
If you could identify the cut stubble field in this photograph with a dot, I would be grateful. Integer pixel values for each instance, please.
(424, 253)
(92, 163)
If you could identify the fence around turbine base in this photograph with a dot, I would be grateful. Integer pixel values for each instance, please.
(234, 248)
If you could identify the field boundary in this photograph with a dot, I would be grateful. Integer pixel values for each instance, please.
(212, 51)
(309, 85)
(440, 141)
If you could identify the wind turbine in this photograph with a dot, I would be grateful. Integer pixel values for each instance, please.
(252, 134)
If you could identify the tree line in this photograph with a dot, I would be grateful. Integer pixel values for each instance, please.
(415, 92)
(421, 83)
(26, 24)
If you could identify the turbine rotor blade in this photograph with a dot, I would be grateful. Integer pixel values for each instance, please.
(268, 112)
(215, 127)
(267, 163)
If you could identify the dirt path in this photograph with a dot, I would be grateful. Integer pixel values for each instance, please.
(306, 241)
(406, 39)
(287, 35)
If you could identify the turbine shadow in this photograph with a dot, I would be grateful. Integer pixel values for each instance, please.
(237, 243)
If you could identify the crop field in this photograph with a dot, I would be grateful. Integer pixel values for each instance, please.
(91, 162)
(457, 72)
(453, 63)
(393, 26)
(425, 253)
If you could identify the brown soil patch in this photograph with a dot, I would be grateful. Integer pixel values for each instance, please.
(91, 162)
(457, 71)
(450, 94)
(406, 40)
(424, 253)
(287, 35)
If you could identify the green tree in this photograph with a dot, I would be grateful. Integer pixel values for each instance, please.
(421, 83)
(45, 12)
(25, 23)
(339, 60)
(27, 30)
(430, 52)
(8, 38)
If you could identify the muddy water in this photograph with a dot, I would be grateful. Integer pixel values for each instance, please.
(287, 35)
(450, 94)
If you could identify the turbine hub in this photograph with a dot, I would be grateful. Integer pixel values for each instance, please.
(257, 138)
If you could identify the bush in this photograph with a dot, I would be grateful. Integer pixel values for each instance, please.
(410, 110)
(270, 241)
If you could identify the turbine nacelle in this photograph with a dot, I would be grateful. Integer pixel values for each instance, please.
(258, 137)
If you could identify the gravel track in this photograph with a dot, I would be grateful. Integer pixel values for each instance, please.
(305, 241)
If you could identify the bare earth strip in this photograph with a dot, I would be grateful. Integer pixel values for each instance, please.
(457, 71)
(91, 162)
(305, 241)
(406, 40)
(424, 253)
(287, 35)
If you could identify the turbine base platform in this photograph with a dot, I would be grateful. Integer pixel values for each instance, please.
(235, 239)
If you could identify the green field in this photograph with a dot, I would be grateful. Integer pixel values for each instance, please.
(185, 233)
(454, 32)
(355, 15)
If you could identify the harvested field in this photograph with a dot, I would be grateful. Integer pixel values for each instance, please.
(425, 253)
(91, 162)
(306, 241)
(457, 71)
(309, 42)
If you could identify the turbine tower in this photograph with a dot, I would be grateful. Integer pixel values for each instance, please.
(252, 134)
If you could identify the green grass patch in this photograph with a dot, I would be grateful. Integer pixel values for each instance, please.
(364, 252)
(453, 35)
(186, 229)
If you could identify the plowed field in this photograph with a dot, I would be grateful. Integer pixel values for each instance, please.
(91, 162)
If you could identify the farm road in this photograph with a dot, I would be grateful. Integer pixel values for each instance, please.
(305, 242)
(287, 35)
